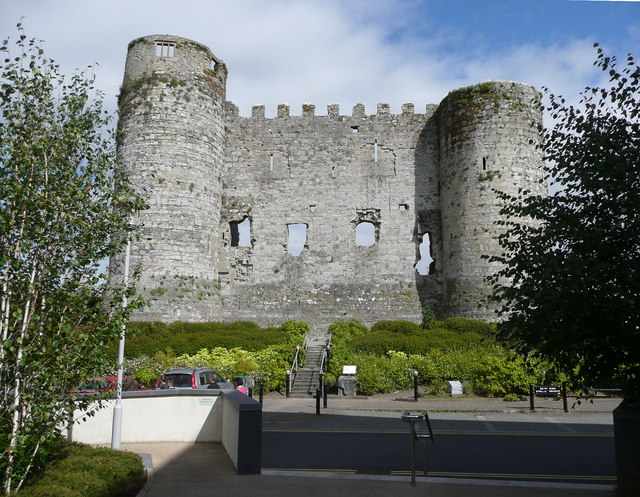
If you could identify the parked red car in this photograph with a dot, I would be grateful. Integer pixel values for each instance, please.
(98, 384)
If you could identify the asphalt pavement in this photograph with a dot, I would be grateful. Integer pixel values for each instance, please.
(205, 470)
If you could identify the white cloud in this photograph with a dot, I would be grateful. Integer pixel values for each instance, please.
(304, 51)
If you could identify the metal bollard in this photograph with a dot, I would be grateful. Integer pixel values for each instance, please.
(324, 396)
(532, 405)
(564, 397)
(415, 386)
(318, 401)
(288, 384)
(261, 392)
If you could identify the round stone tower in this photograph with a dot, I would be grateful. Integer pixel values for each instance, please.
(170, 142)
(488, 135)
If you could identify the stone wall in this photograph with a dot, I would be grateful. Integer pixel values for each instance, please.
(408, 176)
(328, 173)
(488, 137)
(171, 143)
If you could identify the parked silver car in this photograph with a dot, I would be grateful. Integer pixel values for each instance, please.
(195, 378)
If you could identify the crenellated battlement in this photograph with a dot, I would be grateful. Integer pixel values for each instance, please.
(258, 111)
(310, 215)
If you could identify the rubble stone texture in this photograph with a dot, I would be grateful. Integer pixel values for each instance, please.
(204, 169)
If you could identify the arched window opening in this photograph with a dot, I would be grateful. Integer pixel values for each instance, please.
(365, 234)
(297, 238)
(426, 264)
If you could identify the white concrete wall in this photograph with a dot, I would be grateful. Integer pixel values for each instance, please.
(154, 418)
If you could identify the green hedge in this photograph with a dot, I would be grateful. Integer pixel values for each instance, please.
(463, 325)
(454, 349)
(420, 342)
(238, 348)
(84, 471)
(402, 327)
(146, 339)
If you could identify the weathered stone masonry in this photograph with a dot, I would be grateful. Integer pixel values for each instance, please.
(204, 169)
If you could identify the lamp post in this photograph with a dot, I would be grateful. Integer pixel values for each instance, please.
(116, 429)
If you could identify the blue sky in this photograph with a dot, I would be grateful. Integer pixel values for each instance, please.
(346, 52)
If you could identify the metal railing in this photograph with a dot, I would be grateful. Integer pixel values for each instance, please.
(295, 365)
(412, 419)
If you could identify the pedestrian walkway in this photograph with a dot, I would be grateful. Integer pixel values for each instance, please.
(204, 470)
(404, 400)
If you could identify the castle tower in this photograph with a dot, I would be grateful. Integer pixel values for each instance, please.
(487, 142)
(170, 141)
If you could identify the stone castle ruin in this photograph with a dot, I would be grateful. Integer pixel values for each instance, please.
(226, 193)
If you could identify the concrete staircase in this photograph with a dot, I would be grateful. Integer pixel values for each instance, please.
(307, 378)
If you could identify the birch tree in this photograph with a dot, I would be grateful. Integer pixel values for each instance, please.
(64, 208)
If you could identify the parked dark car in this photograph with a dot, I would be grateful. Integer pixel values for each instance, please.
(195, 378)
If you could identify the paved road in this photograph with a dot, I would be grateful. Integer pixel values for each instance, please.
(537, 448)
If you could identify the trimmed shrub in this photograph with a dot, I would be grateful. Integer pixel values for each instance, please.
(295, 330)
(463, 325)
(146, 339)
(84, 471)
(422, 342)
(498, 375)
(340, 353)
(382, 374)
(343, 331)
(401, 327)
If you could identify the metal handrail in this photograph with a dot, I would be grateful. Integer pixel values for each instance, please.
(296, 364)
(412, 419)
(324, 360)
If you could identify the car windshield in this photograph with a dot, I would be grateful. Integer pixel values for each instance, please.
(180, 380)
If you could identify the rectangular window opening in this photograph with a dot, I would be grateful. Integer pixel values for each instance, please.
(165, 49)
(240, 233)
(297, 238)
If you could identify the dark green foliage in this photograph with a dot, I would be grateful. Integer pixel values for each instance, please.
(84, 471)
(428, 318)
(455, 349)
(464, 325)
(340, 353)
(146, 339)
(402, 327)
(421, 342)
(570, 281)
(50, 445)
